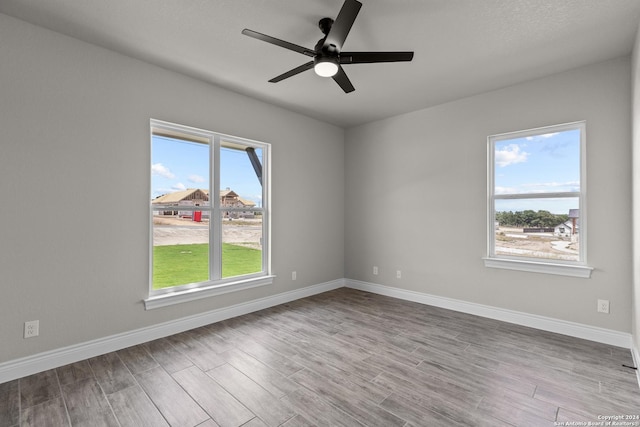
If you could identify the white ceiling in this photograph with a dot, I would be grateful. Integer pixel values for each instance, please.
(462, 47)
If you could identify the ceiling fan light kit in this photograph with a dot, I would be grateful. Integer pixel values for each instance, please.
(327, 56)
(325, 67)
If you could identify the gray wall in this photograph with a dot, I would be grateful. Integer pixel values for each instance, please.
(636, 192)
(416, 197)
(74, 180)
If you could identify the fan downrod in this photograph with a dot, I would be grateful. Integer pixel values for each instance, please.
(325, 25)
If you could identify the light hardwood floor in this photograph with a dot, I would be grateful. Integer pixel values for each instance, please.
(342, 358)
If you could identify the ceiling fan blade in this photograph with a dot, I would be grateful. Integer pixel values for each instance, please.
(291, 73)
(370, 57)
(278, 42)
(342, 25)
(342, 80)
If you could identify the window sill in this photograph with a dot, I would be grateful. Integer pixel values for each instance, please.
(172, 298)
(580, 271)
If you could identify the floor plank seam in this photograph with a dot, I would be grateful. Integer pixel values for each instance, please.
(66, 407)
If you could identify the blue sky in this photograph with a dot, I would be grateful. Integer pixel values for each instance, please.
(177, 165)
(543, 163)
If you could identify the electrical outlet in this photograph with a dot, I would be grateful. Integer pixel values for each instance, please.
(31, 328)
(398, 274)
(294, 275)
(375, 270)
(603, 306)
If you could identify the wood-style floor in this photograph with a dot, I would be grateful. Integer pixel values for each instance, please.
(343, 358)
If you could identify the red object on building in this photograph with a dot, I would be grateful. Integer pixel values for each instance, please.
(197, 216)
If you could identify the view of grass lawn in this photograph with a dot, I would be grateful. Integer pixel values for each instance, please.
(181, 264)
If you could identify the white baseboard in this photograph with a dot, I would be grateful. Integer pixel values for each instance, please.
(29, 365)
(578, 330)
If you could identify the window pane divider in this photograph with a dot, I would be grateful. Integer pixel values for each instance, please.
(215, 236)
(181, 208)
(241, 209)
(537, 195)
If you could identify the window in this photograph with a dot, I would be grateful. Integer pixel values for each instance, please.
(209, 214)
(536, 216)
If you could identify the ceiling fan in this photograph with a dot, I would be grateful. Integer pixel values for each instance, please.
(327, 55)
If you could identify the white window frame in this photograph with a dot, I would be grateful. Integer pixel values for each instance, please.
(216, 285)
(538, 265)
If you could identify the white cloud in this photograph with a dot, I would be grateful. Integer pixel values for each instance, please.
(510, 155)
(505, 190)
(178, 187)
(162, 170)
(196, 178)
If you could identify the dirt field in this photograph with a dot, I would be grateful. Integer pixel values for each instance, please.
(512, 241)
(176, 231)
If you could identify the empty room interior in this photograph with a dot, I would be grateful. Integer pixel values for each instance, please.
(320, 213)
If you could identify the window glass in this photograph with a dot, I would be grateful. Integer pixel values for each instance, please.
(545, 163)
(537, 232)
(241, 244)
(180, 185)
(241, 201)
(207, 225)
(536, 189)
